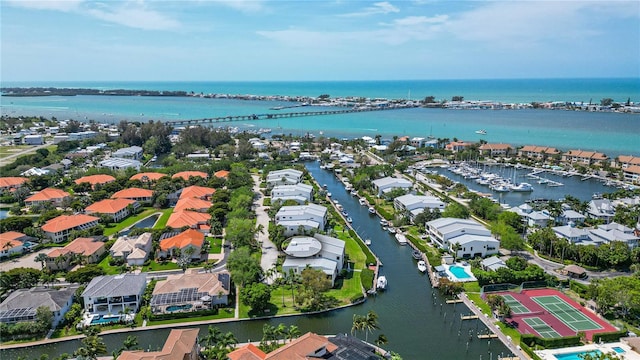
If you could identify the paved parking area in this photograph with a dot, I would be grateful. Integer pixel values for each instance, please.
(27, 261)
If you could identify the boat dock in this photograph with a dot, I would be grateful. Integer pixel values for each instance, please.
(454, 301)
(468, 317)
(487, 336)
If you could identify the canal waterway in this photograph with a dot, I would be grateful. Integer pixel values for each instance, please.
(412, 315)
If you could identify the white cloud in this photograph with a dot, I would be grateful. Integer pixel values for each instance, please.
(135, 15)
(246, 6)
(58, 5)
(383, 7)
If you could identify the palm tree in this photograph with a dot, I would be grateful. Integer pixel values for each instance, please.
(381, 340)
(41, 258)
(281, 330)
(213, 336)
(370, 323)
(358, 324)
(293, 332)
(455, 248)
(131, 342)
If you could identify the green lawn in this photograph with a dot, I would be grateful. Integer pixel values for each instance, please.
(129, 221)
(154, 266)
(475, 297)
(215, 246)
(109, 270)
(356, 255)
(162, 222)
(351, 287)
(224, 313)
(10, 150)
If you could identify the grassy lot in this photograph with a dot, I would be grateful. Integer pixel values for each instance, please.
(109, 270)
(215, 246)
(154, 266)
(10, 150)
(472, 290)
(162, 222)
(129, 221)
(225, 313)
(356, 255)
(348, 288)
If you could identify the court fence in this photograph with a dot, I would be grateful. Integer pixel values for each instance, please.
(609, 336)
(549, 343)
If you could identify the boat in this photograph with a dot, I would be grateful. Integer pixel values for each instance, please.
(324, 186)
(481, 132)
(422, 266)
(329, 194)
(345, 213)
(353, 193)
(416, 254)
(522, 187)
(349, 220)
(391, 230)
(402, 240)
(367, 242)
(382, 283)
(372, 210)
(362, 201)
(383, 222)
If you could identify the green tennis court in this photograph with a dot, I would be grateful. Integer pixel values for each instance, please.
(541, 327)
(515, 305)
(566, 313)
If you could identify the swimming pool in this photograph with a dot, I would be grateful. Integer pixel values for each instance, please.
(459, 272)
(173, 308)
(618, 350)
(104, 319)
(576, 355)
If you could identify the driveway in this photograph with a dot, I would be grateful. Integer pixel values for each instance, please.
(27, 261)
(269, 249)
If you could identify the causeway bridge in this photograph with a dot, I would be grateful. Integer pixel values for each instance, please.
(281, 115)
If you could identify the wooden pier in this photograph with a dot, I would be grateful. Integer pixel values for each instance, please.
(468, 317)
(252, 117)
(454, 301)
(487, 336)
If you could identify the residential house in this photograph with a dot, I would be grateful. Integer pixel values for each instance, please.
(185, 175)
(495, 150)
(33, 139)
(199, 192)
(384, 185)
(223, 174)
(180, 345)
(95, 180)
(416, 204)
(191, 219)
(89, 249)
(59, 228)
(22, 305)
(115, 163)
(538, 152)
(469, 237)
(82, 135)
(300, 193)
(48, 195)
(132, 152)
(12, 242)
(190, 240)
(614, 232)
(313, 346)
(9, 183)
(632, 174)
(319, 252)
(418, 142)
(148, 176)
(492, 263)
(569, 216)
(191, 291)
(538, 218)
(117, 209)
(191, 203)
(585, 158)
(283, 177)
(457, 146)
(573, 234)
(625, 161)
(134, 250)
(601, 209)
(137, 194)
(247, 352)
(308, 217)
(111, 294)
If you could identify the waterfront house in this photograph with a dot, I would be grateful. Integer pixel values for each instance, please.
(585, 158)
(632, 174)
(88, 249)
(133, 250)
(95, 180)
(384, 185)
(319, 252)
(112, 294)
(199, 192)
(538, 218)
(538, 152)
(247, 352)
(59, 228)
(190, 219)
(12, 183)
(137, 194)
(313, 346)
(191, 291)
(283, 177)
(132, 152)
(457, 146)
(185, 175)
(48, 195)
(308, 217)
(625, 161)
(22, 305)
(469, 237)
(492, 263)
(192, 203)
(613, 231)
(180, 345)
(171, 242)
(601, 209)
(495, 150)
(569, 216)
(117, 209)
(573, 234)
(12, 242)
(120, 164)
(415, 204)
(300, 193)
(148, 176)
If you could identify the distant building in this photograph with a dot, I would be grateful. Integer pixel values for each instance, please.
(148, 176)
(114, 163)
(308, 217)
(180, 345)
(22, 305)
(137, 194)
(48, 195)
(538, 152)
(89, 249)
(185, 175)
(416, 204)
(95, 180)
(191, 291)
(584, 157)
(384, 185)
(495, 150)
(601, 209)
(191, 219)
(170, 243)
(12, 242)
(58, 229)
(33, 140)
(134, 250)
(492, 263)
(283, 177)
(111, 294)
(319, 252)
(471, 238)
(8, 183)
(132, 152)
(117, 209)
(300, 193)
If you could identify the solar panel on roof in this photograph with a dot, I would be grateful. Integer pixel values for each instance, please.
(182, 296)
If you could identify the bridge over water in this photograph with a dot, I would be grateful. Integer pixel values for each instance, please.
(231, 118)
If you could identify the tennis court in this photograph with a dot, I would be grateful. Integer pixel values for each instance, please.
(541, 327)
(566, 313)
(515, 305)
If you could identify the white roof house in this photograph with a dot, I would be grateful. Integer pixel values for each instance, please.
(601, 209)
(283, 177)
(319, 252)
(134, 250)
(387, 184)
(493, 263)
(571, 216)
(22, 305)
(571, 234)
(538, 218)
(473, 238)
(132, 152)
(415, 204)
(300, 193)
(120, 163)
(310, 217)
(614, 232)
(111, 294)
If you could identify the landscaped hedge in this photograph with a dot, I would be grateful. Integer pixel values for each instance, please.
(180, 315)
(365, 249)
(552, 343)
(384, 213)
(610, 336)
(529, 351)
(357, 299)
(580, 289)
(366, 279)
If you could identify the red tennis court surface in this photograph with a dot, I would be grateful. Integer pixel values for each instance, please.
(558, 321)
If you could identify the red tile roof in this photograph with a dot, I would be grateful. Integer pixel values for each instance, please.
(64, 222)
(634, 169)
(196, 204)
(247, 352)
(188, 237)
(8, 182)
(109, 206)
(96, 179)
(148, 176)
(10, 237)
(495, 147)
(187, 174)
(179, 345)
(180, 219)
(132, 193)
(221, 174)
(301, 347)
(84, 246)
(47, 195)
(199, 192)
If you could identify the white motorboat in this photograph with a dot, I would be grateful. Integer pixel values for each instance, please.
(481, 132)
(422, 266)
(402, 240)
(372, 210)
(353, 193)
(382, 283)
(362, 201)
(329, 194)
(391, 230)
(383, 222)
(522, 187)
(367, 242)
(349, 220)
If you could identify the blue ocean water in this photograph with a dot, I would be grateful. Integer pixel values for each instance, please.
(611, 133)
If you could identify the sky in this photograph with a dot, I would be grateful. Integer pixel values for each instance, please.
(278, 40)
